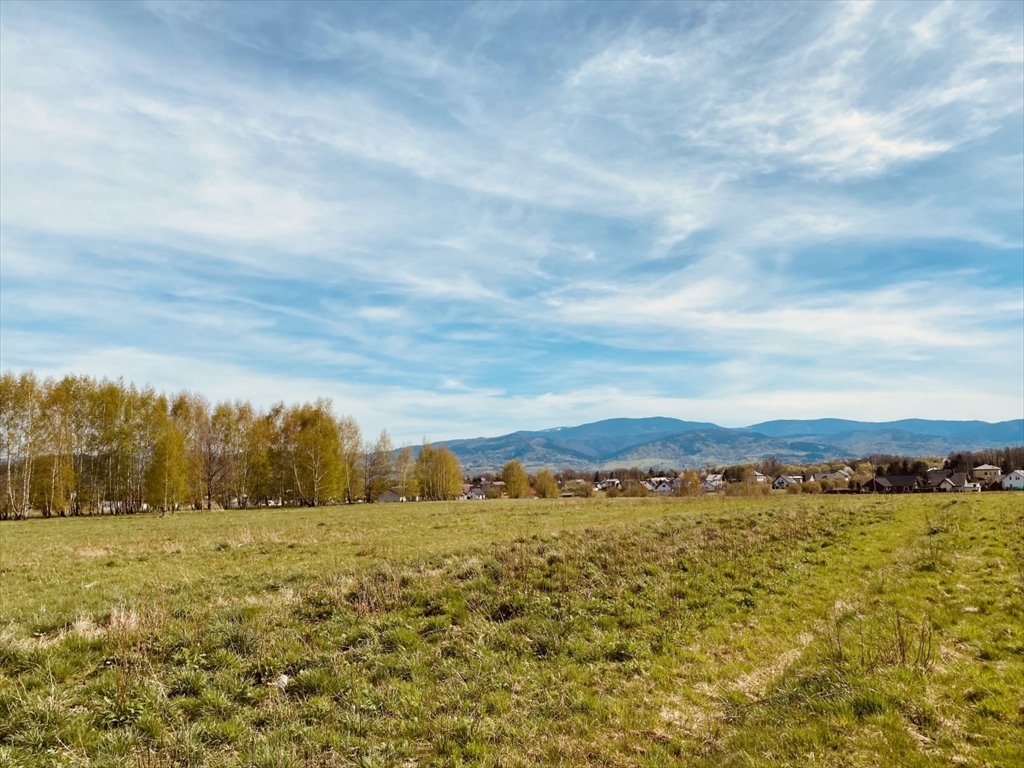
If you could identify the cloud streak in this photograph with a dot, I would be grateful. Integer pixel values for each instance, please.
(457, 221)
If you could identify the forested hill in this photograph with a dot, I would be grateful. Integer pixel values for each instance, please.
(672, 443)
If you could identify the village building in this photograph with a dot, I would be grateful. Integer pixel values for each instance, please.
(985, 474)
(712, 482)
(879, 485)
(1013, 481)
(940, 480)
(838, 475)
(903, 483)
(784, 481)
(662, 486)
(957, 482)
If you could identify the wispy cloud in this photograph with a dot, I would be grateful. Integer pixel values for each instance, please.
(467, 219)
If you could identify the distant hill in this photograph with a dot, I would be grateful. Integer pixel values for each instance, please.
(673, 443)
(1008, 431)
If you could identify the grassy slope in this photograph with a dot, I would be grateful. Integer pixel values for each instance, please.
(857, 631)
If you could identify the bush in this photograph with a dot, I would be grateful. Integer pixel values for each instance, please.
(545, 485)
(634, 489)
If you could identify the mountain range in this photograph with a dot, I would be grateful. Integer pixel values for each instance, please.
(667, 443)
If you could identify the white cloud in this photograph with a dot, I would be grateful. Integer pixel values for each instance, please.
(394, 206)
(813, 105)
(380, 314)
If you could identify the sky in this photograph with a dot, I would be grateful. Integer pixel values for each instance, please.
(468, 219)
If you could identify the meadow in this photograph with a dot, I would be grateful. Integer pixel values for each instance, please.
(787, 630)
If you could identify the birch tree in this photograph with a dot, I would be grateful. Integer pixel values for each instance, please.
(380, 467)
(438, 473)
(19, 440)
(167, 474)
(56, 484)
(405, 473)
(313, 444)
(351, 456)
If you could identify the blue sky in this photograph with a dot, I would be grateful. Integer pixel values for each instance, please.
(466, 219)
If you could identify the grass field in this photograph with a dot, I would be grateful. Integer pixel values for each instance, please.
(841, 631)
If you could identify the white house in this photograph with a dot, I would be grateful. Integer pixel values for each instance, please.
(666, 487)
(659, 485)
(712, 483)
(959, 483)
(952, 482)
(784, 481)
(1013, 481)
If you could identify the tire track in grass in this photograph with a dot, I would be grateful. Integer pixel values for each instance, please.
(760, 652)
(894, 690)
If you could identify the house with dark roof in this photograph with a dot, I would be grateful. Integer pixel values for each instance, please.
(933, 479)
(956, 481)
(839, 475)
(878, 485)
(893, 484)
(904, 483)
(784, 481)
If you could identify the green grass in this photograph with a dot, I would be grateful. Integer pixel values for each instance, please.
(838, 631)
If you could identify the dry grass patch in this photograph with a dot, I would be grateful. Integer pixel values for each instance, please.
(91, 551)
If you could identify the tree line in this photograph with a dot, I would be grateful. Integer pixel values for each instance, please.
(84, 446)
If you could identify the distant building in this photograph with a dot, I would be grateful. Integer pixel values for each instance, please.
(954, 481)
(958, 482)
(838, 474)
(933, 478)
(894, 484)
(903, 483)
(878, 485)
(660, 485)
(986, 474)
(712, 482)
(784, 481)
(1013, 481)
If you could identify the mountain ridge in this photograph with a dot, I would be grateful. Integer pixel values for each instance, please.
(668, 443)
